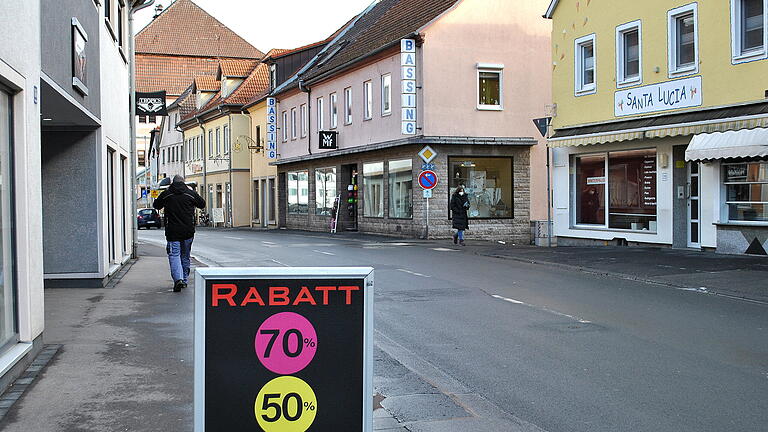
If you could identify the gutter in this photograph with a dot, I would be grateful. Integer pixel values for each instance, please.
(308, 91)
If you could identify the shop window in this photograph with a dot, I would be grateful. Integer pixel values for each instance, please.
(7, 291)
(489, 86)
(298, 192)
(373, 189)
(325, 190)
(683, 40)
(488, 183)
(630, 186)
(628, 49)
(400, 177)
(746, 185)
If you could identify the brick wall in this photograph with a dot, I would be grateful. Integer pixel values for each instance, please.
(515, 230)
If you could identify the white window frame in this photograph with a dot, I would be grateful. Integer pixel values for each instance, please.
(672, 17)
(348, 106)
(333, 110)
(368, 100)
(303, 115)
(621, 79)
(386, 83)
(580, 88)
(226, 139)
(218, 141)
(293, 123)
(738, 55)
(285, 126)
(492, 68)
(320, 113)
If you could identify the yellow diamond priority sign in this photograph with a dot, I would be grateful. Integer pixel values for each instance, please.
(427, 154)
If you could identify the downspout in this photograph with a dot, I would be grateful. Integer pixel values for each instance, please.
(308, 91)
(205, 161)
(131, 119)
(230, 205)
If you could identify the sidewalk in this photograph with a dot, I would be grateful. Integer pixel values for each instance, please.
(739, 276)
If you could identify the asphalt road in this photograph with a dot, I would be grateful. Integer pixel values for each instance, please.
(548, 348)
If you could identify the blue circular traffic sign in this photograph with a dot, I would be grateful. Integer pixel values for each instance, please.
(428, 179)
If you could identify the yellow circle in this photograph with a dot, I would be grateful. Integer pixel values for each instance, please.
(286, 404)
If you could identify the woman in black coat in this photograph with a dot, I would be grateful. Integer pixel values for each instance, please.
(459, 207)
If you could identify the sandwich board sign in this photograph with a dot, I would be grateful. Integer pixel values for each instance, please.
(284, 349)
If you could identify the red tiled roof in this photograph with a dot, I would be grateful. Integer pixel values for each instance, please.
(386, 23)
(256, 84)
(187, 30)
(237, 68)
(275, 52)
(172, 74)
(207, 83)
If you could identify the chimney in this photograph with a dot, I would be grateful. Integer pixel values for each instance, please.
(158, 10)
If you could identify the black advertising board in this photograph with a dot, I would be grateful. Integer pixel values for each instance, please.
(284, 349)
(151, 103)
(328, 140)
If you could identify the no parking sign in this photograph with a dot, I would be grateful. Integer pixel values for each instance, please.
(284, 349)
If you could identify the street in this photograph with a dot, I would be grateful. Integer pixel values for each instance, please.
(470, 342)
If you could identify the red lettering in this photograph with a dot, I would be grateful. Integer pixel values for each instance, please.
(324, 290)
(349, 290)
(252, 297)
(217, 295)
(304, 297)
(279, 299)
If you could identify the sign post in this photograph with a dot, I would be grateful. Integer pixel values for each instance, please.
(427, 180)
(284, 349)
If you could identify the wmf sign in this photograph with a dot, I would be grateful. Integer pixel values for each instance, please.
(408, 85)
(271, 148)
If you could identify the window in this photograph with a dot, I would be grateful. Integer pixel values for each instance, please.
(210, 143)
(8, 329)
(303, 109)
(108, 10)
(285, 126)
(488, 184)
(630, 186)
(325, 190)
(272, 76)
(746, 185)
(293, 123)
(628, 54)
(152, 119)
(120, 17)
(334, 111)
(226, 139)
(163, 158)
(218, 141)
(400, 189)
(368, 97)
(749, 21)
(320, 114)
(683, 37)
(585, 65)
(348, 105)
(298, 192)
(373, 189)
(256, 210)
(386, 94)
(489, 86)
(142, 119)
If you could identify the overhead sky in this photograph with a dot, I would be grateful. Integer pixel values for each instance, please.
(268, 24)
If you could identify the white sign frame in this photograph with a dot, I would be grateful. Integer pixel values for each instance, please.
(665, 96)
(408, 86)
(214, 273)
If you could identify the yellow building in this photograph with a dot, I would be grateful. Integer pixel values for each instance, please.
(661, 123)
(264, 208)
(218, 140)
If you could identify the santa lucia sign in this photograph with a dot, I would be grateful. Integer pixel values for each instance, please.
(670, 95)
(284, 349)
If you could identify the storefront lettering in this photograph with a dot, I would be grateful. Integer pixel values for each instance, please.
(683, 93)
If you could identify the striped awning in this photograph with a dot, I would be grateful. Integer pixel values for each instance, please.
(744, 143)
(595, 139)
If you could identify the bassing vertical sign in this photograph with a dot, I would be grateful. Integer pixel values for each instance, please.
(271, 148)
(408, 85)
(284, 349)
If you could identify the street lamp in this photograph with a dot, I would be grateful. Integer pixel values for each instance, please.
(136, 5)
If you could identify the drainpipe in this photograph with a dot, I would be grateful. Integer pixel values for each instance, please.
(230, 206)
(136, 5)
(308, 91)
(205, 162)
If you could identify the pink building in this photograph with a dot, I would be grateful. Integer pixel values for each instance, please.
(462, 77)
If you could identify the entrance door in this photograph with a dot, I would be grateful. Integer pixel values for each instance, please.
(264, 204)
(694, 206)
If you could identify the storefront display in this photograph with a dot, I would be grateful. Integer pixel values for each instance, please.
(488, 183)
(746, 185)
(373, 189)
(400, 176)
(298, 192)
(325, 190)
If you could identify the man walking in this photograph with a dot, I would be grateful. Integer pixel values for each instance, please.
(179, 202)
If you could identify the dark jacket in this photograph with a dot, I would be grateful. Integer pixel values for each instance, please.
(459, 207)
(179, 202)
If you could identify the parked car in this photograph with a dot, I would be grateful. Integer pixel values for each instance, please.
(149, 217)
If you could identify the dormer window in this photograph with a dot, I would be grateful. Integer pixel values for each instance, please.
(272, 76)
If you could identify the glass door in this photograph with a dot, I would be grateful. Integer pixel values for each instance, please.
(694, 206)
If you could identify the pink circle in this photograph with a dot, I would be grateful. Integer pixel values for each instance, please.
(286, 343)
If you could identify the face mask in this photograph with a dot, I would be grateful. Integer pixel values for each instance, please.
(461, 193)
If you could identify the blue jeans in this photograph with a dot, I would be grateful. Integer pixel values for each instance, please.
(178, 258)
(460, 234)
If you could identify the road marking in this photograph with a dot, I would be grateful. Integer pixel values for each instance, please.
(444, 250)
(324, 252)
(278, 262)
(413, 273)
(541, 308)
(269, 243)
(234, 238)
